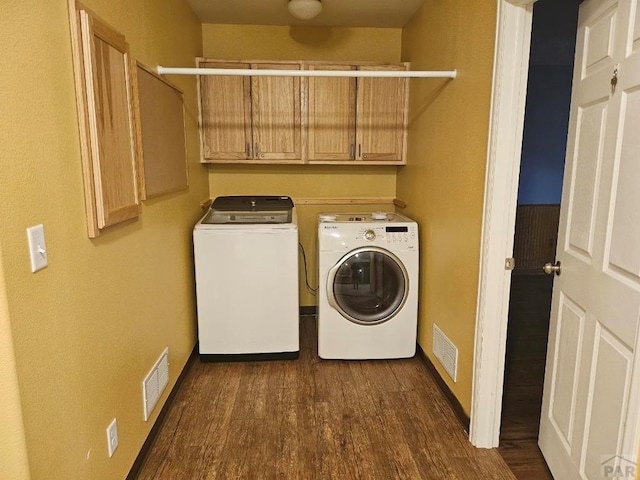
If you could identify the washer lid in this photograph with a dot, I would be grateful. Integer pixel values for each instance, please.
(245, 209)
(252, 203)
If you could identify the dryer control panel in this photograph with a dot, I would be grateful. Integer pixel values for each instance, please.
(347, 235)
(400, 234)
(390, 234)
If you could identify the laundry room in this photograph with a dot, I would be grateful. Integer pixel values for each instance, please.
(442, 183)
(81, 334)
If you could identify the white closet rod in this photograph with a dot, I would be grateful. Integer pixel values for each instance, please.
(307, 73)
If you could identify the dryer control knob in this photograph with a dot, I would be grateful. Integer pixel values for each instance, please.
(369, 235)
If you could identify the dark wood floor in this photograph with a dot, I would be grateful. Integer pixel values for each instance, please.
(315, 419)
(527, 335)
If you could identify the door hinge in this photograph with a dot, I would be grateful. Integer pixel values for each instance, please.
(509, 263)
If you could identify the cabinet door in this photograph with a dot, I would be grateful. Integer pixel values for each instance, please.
(381, 119)
(276, 105)
(111, 163)
(225, 114)
(332, 115)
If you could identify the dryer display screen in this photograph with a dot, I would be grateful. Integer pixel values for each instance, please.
(396, 229)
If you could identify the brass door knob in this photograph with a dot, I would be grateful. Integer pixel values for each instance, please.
(550, 268)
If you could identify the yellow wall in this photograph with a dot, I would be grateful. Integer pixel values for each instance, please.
(443, 182)
(87, 329)
(267, 42)
(13, 449)
(236, 42)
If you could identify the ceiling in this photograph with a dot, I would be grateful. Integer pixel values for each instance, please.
(335, 13)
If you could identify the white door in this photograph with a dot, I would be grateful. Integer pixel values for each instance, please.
(589, 423)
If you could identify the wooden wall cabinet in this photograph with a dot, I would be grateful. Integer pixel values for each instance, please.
(332, 116)
(318, 120)
(381, 121)
(357, 121)
(225, 114)
(107, 129)
(250, 119)
(276, 114)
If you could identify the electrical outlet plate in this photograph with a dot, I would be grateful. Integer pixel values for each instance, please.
(112, 437)
(37, 247)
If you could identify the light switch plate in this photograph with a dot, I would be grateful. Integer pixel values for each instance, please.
(37, 247)
(112, 437)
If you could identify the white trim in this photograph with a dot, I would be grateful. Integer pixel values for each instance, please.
(241, 72)
(511, 68)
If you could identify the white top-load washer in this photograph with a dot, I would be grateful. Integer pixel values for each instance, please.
(368, 286)
(246, 269)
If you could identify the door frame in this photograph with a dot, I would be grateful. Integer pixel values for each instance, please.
(509, 90)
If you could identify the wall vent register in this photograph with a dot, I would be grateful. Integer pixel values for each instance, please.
(154, 383)
(445, 351)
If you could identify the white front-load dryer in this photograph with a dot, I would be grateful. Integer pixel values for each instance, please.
(368, 286)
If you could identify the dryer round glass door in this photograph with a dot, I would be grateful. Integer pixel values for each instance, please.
(368, 286)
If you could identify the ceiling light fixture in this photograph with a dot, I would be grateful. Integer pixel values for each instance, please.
(305, 9)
